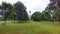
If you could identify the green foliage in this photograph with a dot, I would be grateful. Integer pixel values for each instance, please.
(12, 15)
(57, 14)
(21, 11)
(16, 11)
(8, 10)
(37, 16)
(47, 15)
(56, 9)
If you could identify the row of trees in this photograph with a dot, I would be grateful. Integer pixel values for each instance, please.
(37, 16)
(51, 13)
(16, 11)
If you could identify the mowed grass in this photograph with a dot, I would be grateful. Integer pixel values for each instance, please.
(30, 27)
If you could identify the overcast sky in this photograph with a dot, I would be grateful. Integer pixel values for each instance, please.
(32, 5)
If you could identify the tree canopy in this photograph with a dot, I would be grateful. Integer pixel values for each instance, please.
(21, 11)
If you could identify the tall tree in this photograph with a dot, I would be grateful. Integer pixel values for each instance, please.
(57, 14)
(6, 10)
(21, 11)
(54, 10)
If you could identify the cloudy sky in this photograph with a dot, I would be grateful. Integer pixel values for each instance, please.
(32, 5)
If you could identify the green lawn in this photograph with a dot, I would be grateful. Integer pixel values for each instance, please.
(30, 27)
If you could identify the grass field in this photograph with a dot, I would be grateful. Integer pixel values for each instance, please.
(30, 27)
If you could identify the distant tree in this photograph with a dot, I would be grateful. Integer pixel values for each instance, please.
(47, 15)
(37, 16)
(21, 11)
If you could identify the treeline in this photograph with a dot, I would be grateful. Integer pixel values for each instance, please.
(44, 16)
(51, 13)
(16, 11)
